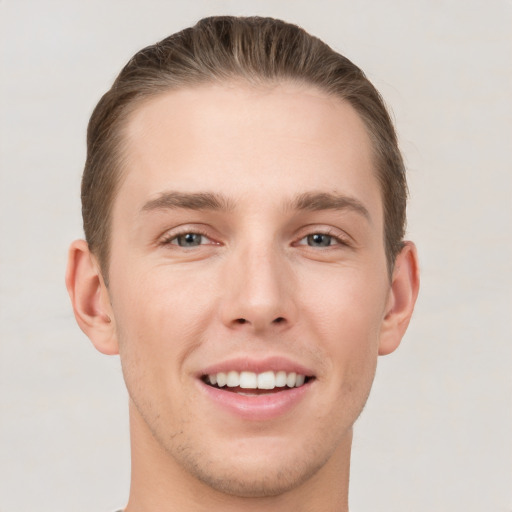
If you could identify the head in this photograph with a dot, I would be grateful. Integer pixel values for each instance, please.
(259, 51)
(245, 196)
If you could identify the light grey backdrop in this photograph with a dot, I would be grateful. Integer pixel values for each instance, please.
(436, 434)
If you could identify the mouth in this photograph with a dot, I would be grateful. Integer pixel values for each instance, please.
(258, 390)
(248, 383)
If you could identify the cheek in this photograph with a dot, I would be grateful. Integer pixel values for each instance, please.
(349, 306)
(157, 328)
(162, 315)
(346, 318)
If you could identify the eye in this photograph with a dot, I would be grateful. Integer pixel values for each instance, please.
(188, 240)
(320, 240)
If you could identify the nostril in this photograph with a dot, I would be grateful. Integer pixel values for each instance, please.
(278, 320)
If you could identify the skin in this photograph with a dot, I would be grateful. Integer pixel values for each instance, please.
(257, 285)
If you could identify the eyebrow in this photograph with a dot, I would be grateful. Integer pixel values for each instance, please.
(317, 201)
(189, 201)
(309, 201)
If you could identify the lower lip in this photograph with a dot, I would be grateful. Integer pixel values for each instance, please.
(256, 407)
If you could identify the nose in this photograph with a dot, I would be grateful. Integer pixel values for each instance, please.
(258, 292)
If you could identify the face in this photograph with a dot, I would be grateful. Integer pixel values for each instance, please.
(248, 281)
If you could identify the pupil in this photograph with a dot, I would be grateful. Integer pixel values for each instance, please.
(319, 240)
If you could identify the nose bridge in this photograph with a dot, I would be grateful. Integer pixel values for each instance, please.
(257, 286)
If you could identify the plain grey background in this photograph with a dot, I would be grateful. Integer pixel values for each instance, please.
(436, 435)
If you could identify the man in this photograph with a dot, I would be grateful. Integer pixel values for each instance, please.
(244, 209)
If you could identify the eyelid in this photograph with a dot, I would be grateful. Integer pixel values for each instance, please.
(340, 236)
(174, 239)
(343, 238)
(172, 234)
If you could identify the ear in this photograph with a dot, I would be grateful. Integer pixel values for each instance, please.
(90, 298)
(404, 289)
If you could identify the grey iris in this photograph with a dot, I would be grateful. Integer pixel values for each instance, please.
(319, 240)
(189, 240)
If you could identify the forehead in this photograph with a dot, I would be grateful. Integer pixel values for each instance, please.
(277, 140)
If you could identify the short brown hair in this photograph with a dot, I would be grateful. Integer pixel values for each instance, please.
(218, 49)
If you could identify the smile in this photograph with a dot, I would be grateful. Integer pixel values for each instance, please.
(257, 389)
(267, 380)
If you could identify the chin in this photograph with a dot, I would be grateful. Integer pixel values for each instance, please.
(256, 480)
(262, 468)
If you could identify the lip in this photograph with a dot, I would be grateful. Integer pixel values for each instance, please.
(240, 364)
(257, 407)
(263, 407)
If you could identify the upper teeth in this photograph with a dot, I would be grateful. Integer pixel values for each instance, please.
(251, 380)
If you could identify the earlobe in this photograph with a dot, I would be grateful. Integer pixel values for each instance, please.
(402, 298)
(90, 299)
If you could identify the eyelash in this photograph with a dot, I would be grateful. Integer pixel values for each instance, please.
(339, 240)
(169, 239)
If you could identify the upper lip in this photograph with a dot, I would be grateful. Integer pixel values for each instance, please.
(257, 365)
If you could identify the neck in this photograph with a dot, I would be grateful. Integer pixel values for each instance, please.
(159, 483)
